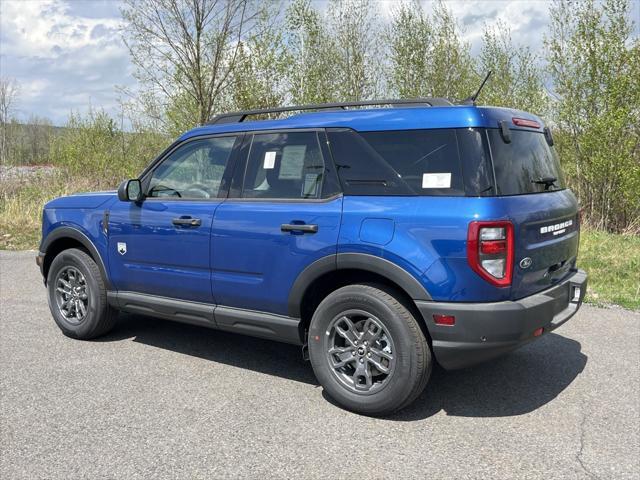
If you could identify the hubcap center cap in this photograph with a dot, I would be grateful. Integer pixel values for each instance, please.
(362, 351)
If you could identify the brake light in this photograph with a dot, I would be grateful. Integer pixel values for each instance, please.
(490, 248)
(523, 122)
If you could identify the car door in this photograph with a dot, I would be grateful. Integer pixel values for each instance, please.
(161, 245)
(283, 213)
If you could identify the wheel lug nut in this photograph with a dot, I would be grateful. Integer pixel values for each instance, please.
(353, 353)
(362, 360)
(369, 354)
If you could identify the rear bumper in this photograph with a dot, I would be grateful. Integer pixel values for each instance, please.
(486, 330)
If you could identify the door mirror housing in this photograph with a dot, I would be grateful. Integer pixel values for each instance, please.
(130, 191)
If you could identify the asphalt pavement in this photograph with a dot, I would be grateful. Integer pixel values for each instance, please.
(156, 399)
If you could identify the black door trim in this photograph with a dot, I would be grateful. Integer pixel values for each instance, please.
(247, 322)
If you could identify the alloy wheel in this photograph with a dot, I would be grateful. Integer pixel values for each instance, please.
(72, 294)
(360, 351)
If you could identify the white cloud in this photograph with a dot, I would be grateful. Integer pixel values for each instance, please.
(63, 56)
(69, 55)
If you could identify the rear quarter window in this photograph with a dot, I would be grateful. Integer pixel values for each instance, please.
(428, 161)
(402, 162)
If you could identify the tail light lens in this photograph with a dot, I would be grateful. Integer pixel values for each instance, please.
(490, 251)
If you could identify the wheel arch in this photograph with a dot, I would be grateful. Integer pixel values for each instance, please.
(64, 238)
(335, 271)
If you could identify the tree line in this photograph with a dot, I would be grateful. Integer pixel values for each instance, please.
(196, 58)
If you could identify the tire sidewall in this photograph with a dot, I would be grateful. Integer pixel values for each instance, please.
(95, 307)
(401, 383)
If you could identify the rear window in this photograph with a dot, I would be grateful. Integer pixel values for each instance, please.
(451, 162)
(526, 165)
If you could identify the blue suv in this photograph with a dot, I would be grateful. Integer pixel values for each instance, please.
(381, 240)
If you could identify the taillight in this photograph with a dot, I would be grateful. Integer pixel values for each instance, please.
(490, 251)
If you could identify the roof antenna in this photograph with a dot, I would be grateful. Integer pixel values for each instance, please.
(472, 99)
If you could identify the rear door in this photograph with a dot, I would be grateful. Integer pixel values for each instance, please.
(544, 212)
(283, 213)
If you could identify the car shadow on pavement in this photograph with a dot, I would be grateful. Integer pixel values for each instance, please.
(515, 384)
(263, 356)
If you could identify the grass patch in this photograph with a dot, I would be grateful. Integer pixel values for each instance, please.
(613, 264)
(21, 202)
(611, 260)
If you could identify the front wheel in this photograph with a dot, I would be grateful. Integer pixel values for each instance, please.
(368, 351)
(78, 296)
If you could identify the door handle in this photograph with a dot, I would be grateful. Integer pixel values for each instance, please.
(187, 222)
(304, 228)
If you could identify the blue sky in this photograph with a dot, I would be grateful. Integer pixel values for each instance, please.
(69, 55)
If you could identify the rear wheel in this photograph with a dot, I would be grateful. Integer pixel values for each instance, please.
(368, 351)
(78, 296)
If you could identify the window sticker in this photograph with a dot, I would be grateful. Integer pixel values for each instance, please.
(269, 160)
(292, 162)
(310, 186)
(436, 180)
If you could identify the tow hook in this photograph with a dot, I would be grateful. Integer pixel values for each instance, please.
(305, 352)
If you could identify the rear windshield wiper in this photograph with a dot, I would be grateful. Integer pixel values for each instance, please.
(546, 181)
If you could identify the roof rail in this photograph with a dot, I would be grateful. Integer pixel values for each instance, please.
(235, 117)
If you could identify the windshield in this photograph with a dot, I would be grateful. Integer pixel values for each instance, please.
(526, 165)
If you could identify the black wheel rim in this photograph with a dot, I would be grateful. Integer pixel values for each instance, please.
(360, 351)
(72, 294)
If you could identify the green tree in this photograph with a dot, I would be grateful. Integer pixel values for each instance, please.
(409, 39)
(357, 49)
(313, 73)
(427, 54)
(260, 79)
(517, 80)
(594, 62)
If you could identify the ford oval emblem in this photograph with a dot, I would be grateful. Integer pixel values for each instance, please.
(525, 262)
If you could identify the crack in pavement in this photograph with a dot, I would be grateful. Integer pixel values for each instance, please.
(586, 470)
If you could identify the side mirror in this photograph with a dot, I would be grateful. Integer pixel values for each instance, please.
(130, 191)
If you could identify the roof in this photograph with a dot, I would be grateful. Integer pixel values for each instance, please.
(378, 119)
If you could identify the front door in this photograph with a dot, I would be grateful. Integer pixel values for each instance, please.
(284, 215)
(161, 246)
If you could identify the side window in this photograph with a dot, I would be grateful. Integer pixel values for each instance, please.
(194, 170)
(428, 161)
(284, 165)
(361, 169)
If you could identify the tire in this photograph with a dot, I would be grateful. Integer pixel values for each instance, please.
(75, 268)
(378, 315)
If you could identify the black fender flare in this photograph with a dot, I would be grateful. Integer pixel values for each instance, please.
(353, 261)
(75, 234)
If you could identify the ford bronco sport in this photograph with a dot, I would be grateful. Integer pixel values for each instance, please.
(381, 240)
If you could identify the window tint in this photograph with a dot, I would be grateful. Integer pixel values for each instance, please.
(284, 165)
(404, 162)
(426, 160)
(194, 170)
(476, 163)
(526, 165)
(362, 170)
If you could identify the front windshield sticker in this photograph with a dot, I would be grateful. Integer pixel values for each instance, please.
(292, 162)
(436, 180)
(269, 160)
